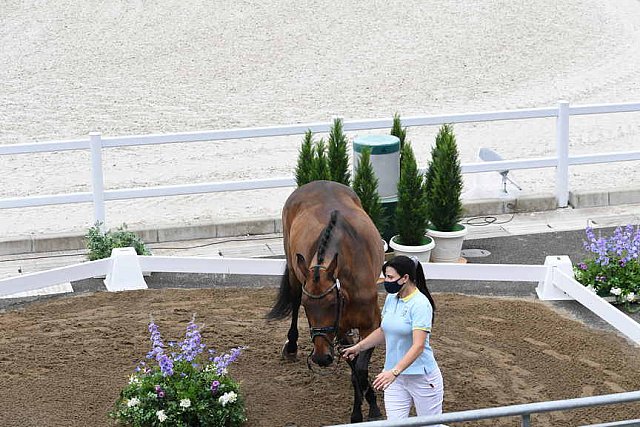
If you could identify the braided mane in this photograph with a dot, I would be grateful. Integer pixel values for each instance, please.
(325, 236)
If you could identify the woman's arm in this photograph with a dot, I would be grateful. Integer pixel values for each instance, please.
(375, 338)
(417, 347)
(385, 378)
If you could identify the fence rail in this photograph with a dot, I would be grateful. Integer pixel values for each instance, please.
(96, 143)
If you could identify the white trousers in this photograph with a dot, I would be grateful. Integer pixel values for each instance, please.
(424, 391)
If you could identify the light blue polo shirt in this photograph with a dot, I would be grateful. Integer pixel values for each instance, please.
(400, 316)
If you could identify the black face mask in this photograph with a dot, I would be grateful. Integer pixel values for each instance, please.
(393, 287)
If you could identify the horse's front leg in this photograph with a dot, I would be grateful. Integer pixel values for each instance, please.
(356, 412)
(362, 375)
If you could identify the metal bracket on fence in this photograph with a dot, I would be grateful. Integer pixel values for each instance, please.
(125, 273)
(546, 288)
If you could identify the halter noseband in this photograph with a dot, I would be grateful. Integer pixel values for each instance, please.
(323, 331)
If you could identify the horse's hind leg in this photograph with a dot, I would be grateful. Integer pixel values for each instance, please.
(369, 393)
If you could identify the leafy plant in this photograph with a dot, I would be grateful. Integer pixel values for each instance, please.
(365, 184)
(444, 182)
(612, 267)
(338, 157)
(304, 168)
(412, 207)
(181, 385)
(100, 244)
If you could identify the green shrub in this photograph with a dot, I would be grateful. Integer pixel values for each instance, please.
(411, 210)
(304, 167)
(320, 164)
(398, 131)
(181, 384)
(100, 244)
(338, 158)
(365, 184)
(444, 182)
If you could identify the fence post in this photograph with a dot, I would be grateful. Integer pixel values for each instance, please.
(562, 153)
(97, 180)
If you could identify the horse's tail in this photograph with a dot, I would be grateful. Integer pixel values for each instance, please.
(284, 304)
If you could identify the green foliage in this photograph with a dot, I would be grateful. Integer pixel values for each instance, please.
(411, 210)
(320, 165)
(338, 158)
(365, 184)
(444, 182)
(179, 386)
(304, 167)
(612, 266)
(100, 244)
(398, 131)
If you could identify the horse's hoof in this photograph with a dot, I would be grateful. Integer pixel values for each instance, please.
(356, 418)
(286, 355)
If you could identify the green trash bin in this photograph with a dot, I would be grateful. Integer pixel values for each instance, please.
(385, 160)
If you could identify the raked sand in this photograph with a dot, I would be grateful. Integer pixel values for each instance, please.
(137, 67)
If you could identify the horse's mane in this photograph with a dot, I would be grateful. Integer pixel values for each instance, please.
(325, 236)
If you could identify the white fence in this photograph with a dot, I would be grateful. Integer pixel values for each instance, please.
(96, 143)
(124, 271)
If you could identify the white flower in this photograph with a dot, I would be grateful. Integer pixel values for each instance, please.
(591, 288)
(133, 402)
(133, 379)
(161, 415)
(616, 291)
(229, 397)
(631, 297)
(185, 403)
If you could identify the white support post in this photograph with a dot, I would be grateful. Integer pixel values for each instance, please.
(125, 273)
(546, 289)
(97, 179)
(562, 153)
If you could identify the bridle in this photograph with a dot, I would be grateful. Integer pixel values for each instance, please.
(323, 331)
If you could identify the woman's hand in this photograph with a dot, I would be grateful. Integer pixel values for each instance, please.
(350, 353)
(383, 380)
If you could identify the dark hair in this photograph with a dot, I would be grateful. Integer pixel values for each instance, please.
(405, 265)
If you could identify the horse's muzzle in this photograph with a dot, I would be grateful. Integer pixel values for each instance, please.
(322, 360)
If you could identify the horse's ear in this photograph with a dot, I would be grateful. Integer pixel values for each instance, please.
(331, 268)
(303, 268)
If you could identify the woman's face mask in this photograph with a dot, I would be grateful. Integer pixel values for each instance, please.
(393, 287)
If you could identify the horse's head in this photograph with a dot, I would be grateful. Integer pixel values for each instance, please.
(323, 301)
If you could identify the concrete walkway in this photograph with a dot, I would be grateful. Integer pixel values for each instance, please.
(270, 244)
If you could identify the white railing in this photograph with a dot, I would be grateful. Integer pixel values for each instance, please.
(96, 143)
(124, 270)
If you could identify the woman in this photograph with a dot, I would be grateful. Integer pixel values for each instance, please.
(411, 374)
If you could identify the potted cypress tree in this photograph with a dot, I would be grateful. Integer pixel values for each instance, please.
(411, 211)
(444, 187)
(338, 158)
(365, 185)
(305, 163)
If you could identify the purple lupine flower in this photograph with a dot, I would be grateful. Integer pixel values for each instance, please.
(222, 362)
(214, 386)
(192, 344)
(166, 365)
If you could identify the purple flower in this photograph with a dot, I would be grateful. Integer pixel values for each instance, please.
(159, 392)
(222, 362)
(583, 266)
(214, 386)
(192, 344)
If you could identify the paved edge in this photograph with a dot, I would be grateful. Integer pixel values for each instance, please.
(534, 202)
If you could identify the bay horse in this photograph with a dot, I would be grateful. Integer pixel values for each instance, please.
(334, 257)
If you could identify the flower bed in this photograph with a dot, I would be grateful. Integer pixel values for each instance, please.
(184, 384)
(612, 268)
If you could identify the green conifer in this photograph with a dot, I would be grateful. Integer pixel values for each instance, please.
(338, 158)
(444, 182)
(320, 169)
(365, 184)
(411, 210)
(304, 166)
